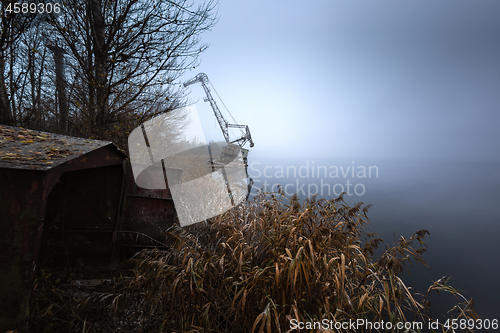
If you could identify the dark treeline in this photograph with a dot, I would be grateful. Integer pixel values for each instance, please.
(97, 68)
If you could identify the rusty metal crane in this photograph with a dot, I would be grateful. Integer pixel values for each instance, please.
(224, 125)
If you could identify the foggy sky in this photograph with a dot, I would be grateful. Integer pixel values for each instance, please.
(338, 81)
(385, 79)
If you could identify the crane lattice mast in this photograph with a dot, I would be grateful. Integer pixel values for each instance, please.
(224, 125)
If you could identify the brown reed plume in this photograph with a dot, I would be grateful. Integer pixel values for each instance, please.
(263, 264)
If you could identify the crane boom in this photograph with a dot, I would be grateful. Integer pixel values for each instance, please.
(224, 125)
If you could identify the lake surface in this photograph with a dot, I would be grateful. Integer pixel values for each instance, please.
(458, 202)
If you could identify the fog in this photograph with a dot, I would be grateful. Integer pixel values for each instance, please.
(365, 79)
(408, 86)
(456, 202)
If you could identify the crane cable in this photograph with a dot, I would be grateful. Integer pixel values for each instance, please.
(234, 120)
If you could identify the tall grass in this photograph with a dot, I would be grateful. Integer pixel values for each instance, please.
(263, 264)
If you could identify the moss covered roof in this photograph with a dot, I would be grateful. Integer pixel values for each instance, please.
(28, 149)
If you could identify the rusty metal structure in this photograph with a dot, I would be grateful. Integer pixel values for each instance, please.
(71, 194)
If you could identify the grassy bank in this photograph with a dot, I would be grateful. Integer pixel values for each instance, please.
(260, 267)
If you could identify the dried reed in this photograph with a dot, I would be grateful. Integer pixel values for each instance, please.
(262, 264)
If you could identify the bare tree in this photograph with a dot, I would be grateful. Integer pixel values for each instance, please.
(12, 26)
(30, 81)
(124, 56)
(60, 87)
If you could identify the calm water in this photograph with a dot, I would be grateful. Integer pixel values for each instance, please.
(457, 202)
